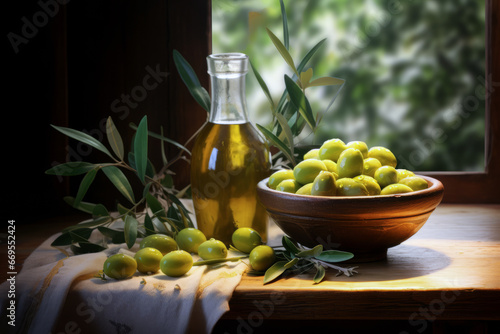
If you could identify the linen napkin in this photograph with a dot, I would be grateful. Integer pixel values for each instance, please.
(59, 294)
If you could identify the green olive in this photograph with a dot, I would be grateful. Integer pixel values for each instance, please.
(262, 257)
(148, 260)
(305, 189)
(360, 145)
(415, 183)
(189, 239)
(324, 185)
(403, 173)
(176, 263)
(120, 266)
(288, 186)
(350, 187)
(331, 149)
(330, 165)
(395, 188)
(161, 242)
(212, 249)
(312, 154)
(279, 176)
(385, 176)
(370, 183)
(384, 155)
(245, 239)
(350, 163)
(370, 165)
(306, 171)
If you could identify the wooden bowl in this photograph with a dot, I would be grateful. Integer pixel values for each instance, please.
(364, 225)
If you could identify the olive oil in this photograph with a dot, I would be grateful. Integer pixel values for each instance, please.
(229, 157)
(228, 160)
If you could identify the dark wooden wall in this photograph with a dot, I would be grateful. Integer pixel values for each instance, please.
(75, 69)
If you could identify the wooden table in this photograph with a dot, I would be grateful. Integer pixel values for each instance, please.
(444, 279)
(447, 273)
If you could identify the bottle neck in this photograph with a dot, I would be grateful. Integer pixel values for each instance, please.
(228, 99)
(227, 72)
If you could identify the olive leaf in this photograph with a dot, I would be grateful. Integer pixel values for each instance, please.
(119, 180)
(84, 138)
(289, 245)
(148, 225)
(191, 81)
(277, 142)
(141, 148)
(326, 81)
(82, 206)
(130, 231)
(84, 185)
(263, 86)
(313, 252)
(334, 256)
(275, 271)
(282, 50)
(164, 139)
(114, 138)
(300, 101)
(286, 38)
(320, 274)
(86, 247)
(71, 168)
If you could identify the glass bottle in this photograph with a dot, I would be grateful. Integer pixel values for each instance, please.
(229, 157)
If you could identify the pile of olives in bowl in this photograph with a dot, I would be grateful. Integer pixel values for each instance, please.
(173, 257)
(339, 169)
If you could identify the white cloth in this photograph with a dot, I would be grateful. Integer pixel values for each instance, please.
(141, 304)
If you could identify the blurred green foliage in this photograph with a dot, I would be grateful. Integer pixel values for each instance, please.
(415, 71)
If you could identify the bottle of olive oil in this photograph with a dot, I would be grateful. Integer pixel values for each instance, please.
(229, 157)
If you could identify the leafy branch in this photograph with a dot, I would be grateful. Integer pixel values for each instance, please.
(296, 260)
(158, 210)
(293, 111)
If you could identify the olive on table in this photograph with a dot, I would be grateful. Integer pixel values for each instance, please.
(148, 260)
(245, 239)
(176, 263)
(120, 266)
(262, 257)
(161, 242)
(212, 249)
(189, 239)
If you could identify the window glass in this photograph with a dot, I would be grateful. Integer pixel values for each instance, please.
(414, 71)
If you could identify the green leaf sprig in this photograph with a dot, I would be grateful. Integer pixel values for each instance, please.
(293, 111)
(296, 260)
(157, 210)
